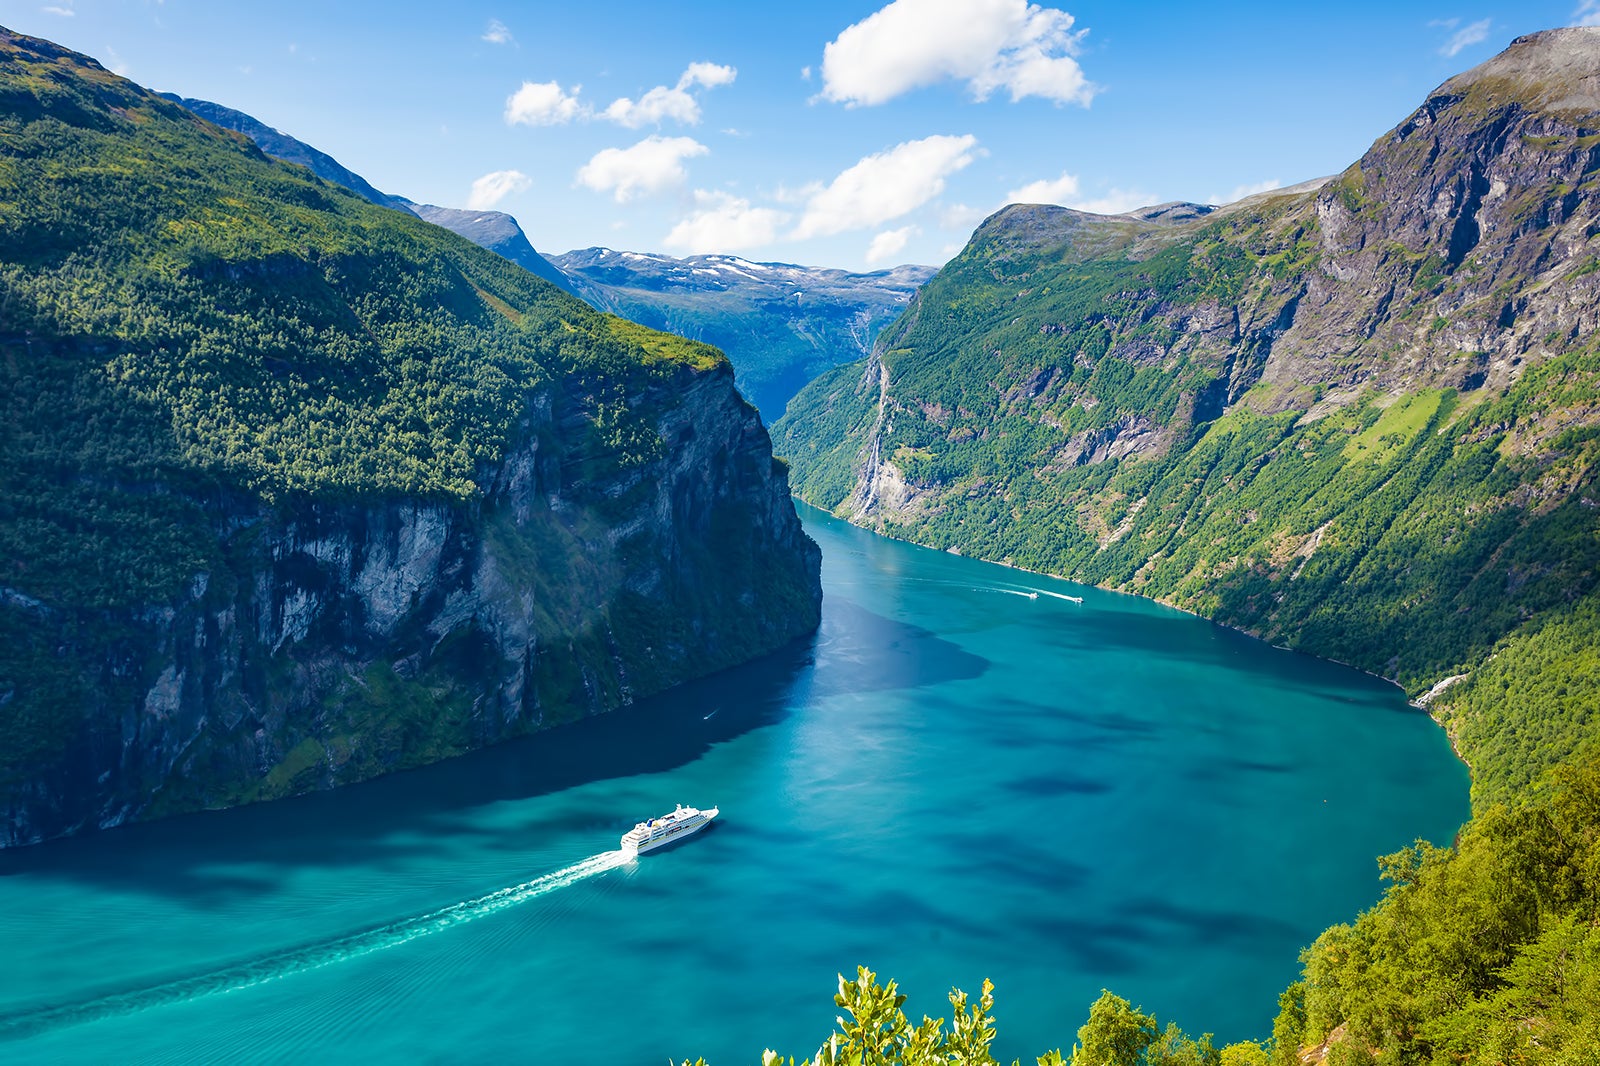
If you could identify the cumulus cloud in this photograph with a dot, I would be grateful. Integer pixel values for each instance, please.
(885, 186)
(544, 104)
(1067, 191)
(652, 165)
(889, 243)
(1464, 36)
(707, 75)
(1063, 191)
(1241, 191)
(1046, 191)
(64, 12)
(676, 103)
(1011, 45)
(1587, 13)
(497, 33)
(547, 104)
(492, 188)
(722, 222)
(1113, 202)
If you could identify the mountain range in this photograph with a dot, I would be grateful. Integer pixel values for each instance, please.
(780, 324)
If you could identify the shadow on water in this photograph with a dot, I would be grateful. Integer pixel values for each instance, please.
(399, 814)
(1176, 636)
(1117, 943)
(410, 814)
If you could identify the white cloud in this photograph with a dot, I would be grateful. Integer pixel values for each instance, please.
(885, 186)
(707, 75)
(497, 33)
(1013, 45)
(675, 103)
(889, 243)
(544, 104)
(655, 105)
(1046, 191)
(64, 12)
(1114, 202)
(1066, 191)
(722, 222)
(1465, 37)
(492, 188)
(1241, 191)
(963, 216)
(1587, 13)
(654, 164)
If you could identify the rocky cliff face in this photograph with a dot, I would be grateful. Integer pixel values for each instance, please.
(334, 642)
(296, 490)
(1357, 416)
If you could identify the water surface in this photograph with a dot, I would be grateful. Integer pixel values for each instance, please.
(964, 774)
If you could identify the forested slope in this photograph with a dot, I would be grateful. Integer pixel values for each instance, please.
(1360, 418)
(295, 489)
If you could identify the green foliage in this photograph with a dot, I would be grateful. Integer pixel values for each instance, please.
(874, 1031)
(1245, 1053)
(1116, 1034)
(293, 338)
(1485, 953)
(196, 340)
(1531, 705)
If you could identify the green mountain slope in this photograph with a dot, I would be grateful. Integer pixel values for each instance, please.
(494, 230)
(1359, 418)
(295, 489)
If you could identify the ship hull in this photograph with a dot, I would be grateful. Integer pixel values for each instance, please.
(669, 840)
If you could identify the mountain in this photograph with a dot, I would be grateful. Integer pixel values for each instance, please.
(494, 230)
(296, 489)
(1360, 417)
(780, 324)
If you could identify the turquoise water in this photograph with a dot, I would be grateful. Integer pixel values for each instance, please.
(953, 780)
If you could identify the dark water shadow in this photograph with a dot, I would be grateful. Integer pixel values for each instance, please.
(859, 651)
(1172, 635)
(355, 824)
(1120, 942)
(412, 814)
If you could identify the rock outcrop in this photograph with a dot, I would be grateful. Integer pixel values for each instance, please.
(296, 490)
(334, 642)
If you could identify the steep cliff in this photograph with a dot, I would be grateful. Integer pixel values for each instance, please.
(296, 490)
(1360, 417)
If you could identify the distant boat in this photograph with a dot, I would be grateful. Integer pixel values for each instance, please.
(669, 828)
(1074, 599)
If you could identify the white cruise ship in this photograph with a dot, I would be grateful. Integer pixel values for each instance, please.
(669, 828)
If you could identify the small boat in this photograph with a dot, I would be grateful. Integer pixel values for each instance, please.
(667, 829)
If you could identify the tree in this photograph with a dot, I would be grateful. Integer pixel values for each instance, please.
(1115, 1035)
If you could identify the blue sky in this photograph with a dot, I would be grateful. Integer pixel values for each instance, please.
(830, 133)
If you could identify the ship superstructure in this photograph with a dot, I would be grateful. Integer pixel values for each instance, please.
(667, 829)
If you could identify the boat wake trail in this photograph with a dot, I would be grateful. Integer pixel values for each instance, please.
(266, 968)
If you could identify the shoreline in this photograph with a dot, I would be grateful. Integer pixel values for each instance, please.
(1421, 702)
